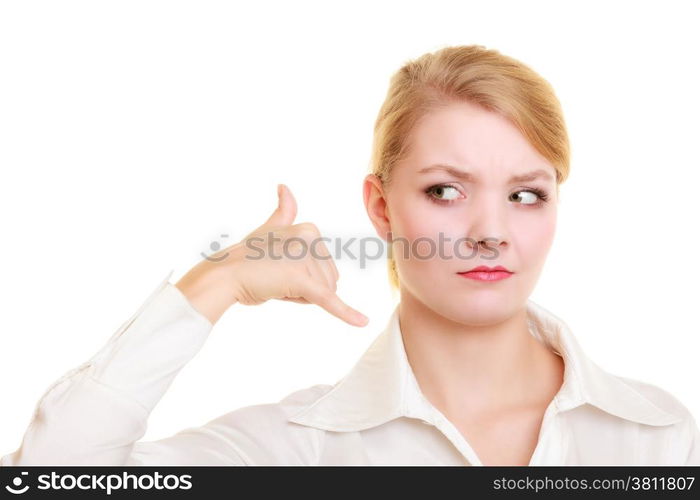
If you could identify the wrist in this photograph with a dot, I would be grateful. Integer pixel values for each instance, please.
(207, 289)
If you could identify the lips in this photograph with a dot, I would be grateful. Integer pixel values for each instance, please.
(487, 269)
(485, 273)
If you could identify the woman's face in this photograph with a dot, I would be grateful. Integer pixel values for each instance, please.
(426, 204)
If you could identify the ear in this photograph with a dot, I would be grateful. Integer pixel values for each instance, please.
(376, 205)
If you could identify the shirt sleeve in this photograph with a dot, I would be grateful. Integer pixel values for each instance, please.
(96, 412)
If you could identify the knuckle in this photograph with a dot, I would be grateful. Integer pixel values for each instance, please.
(308, 229)
(294, 247)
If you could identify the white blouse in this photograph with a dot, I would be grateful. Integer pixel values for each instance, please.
(97, 412)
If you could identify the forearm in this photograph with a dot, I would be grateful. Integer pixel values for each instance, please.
(94, 413)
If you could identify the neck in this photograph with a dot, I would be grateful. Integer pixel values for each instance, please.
(473, 370)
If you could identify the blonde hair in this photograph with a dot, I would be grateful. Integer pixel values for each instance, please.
(467, 73)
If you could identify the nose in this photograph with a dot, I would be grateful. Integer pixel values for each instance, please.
(487, 225)
(485, 242)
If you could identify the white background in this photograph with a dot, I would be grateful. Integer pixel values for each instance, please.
(135, 133)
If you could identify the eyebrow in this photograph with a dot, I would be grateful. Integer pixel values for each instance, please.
(469, 177)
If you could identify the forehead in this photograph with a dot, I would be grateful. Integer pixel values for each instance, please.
(472, 138)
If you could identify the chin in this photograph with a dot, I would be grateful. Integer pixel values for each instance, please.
(477, 308)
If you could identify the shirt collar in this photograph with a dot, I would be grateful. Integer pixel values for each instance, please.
(381, 385)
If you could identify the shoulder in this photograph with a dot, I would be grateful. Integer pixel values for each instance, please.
(261, 433)
(683, 436)
(659, 397)
(277, 414)
(296, 400)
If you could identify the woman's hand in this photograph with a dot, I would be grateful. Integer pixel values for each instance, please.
(278, 260)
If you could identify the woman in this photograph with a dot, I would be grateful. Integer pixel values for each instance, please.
(470, 149)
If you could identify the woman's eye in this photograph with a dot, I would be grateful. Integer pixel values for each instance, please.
(440, 191)
(527, 197)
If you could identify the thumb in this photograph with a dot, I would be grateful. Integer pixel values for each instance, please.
(286, 210)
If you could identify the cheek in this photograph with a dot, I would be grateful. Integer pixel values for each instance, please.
(533, 236)
(427, 233)
(424, 223)
(412, 220)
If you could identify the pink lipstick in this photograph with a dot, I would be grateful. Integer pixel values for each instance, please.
(485, 273)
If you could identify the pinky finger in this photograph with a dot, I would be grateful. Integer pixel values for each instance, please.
(327, 299)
